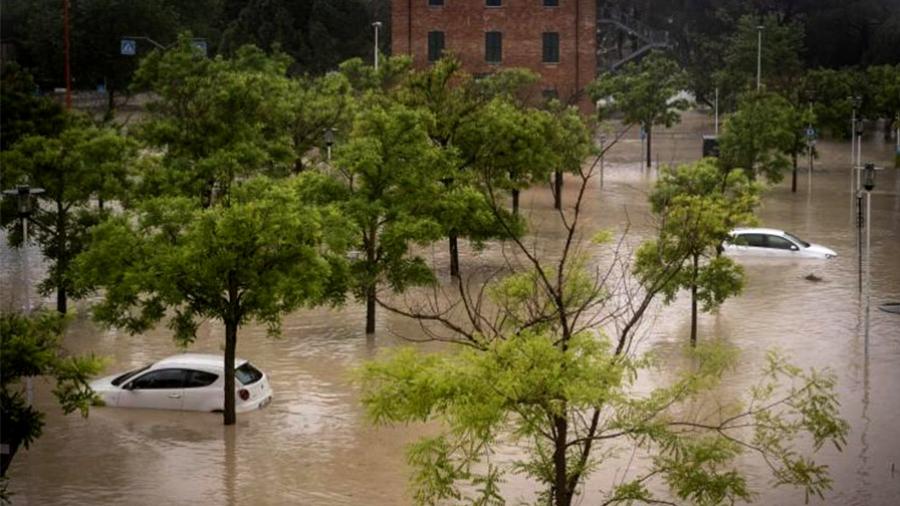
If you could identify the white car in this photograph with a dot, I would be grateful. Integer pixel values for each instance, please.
(770, 242)
(190, 381)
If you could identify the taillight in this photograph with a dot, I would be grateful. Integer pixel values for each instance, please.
(244, 394)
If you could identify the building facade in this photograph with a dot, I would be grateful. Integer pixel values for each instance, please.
(557, 39)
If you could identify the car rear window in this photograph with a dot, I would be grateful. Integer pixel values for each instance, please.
(197, 379)
(247, 374)
(130, 374)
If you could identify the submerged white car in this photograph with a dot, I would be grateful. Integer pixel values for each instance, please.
(190, 381)
(770, 242)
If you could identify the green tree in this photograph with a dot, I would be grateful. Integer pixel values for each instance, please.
(645, 93)
(460, 105)
(759, 136)
(781, 67)
(883, 94)
(24, 112)
(255, 259)
(390, 173)
(31, 346)
(82, 163)
(536, 373)
(831, 93)
(316, 105)
(215, 120)
(697, 206)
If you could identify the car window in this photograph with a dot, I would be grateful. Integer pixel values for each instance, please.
(159, 379)
(130, 374)
(797, 239)
(197, 379)
(755, 240)
(779, 242)
(247, 374)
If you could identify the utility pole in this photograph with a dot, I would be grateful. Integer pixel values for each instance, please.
(759, 30)
(376, 25)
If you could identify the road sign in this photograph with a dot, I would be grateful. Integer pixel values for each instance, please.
(811, 133)
(128, 47)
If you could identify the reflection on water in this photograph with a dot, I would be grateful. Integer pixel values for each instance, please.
(312, 445)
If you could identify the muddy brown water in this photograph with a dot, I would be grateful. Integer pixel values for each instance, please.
(312, 445)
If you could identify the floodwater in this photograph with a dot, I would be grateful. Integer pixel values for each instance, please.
(312, 445)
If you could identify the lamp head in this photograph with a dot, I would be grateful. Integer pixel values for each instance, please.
(377, 24)
(329, 136)
(869, 182)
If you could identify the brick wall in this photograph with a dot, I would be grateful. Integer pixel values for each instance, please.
(522, 22)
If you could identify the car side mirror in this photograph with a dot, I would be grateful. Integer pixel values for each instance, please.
(794, 247)
(128, 386)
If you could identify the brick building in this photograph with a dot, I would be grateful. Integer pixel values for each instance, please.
(555, 38)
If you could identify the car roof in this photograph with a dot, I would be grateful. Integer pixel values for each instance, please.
(751, 230)
(205, 360)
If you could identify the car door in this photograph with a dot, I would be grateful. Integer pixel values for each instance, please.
(203, 391)
(780, 246)
(157, 389)
(750, 245)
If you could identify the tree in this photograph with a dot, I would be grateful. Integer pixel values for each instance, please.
(759, 136)
(831, 93)
(781, 67)
(697, 206)
(534, 371)
(215, 120)
(318, 104)
(31, 346)
(645, 93)
(83, 162)
(262, 255)
(460, 106)
(883, 94)
(24, 112)
(390, 173)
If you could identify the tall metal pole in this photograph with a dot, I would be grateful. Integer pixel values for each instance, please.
(717, 112)
(377, 25)
(868, 260)
(68, 73)
(29, 384)
(852, 158)
(759, 30)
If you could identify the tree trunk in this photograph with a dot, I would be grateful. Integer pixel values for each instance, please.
(110, 103)
(454, 254)
(649, 131)
(562, 496)
(557, 189)
(515, 202)
(370, 309)
(694, 301)
(230, 346)
(794, 177)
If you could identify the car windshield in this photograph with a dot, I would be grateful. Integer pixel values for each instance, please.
(247, 374)
(796, 239)
(121, 379)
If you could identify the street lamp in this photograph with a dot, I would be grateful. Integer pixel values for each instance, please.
(869, 185)
(329, 141)
(376, 25)
(24, 209)
(759, 31)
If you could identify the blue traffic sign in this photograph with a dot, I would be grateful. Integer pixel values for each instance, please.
(128, 47)
(811, 133)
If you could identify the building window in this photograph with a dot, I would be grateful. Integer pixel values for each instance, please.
(493, 3)
(551, 47)
(551, 3)
(493, 47)
(436, 3)
(435, 45)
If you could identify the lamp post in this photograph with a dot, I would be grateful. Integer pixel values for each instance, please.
(869, 185)
(759, 31)
(24, 209)
(376, 25)
(329, 141)
(602, 154)
(858, 131)
(855, 102)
